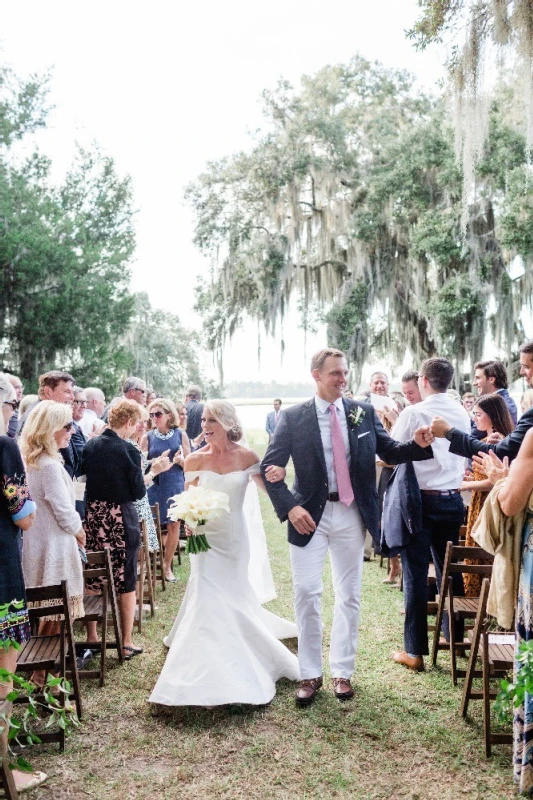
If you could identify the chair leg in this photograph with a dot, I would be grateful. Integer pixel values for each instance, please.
(104, 637)
(486, 696)
(438, 626)
(8, 782)
(451, 625)
(140, 591)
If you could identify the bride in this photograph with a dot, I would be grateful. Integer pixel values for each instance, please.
(224, 647)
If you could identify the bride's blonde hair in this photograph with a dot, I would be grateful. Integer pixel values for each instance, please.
(225, 414)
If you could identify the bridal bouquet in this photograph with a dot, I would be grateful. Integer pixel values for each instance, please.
(195, 507)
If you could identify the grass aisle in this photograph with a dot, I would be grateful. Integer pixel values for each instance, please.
(400, 737)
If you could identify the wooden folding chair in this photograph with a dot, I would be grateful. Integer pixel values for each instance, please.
(97, 608)
(497, 660)
(158, 570)
(457, 607)
(51, 653)
(7, 782)
(145, 587)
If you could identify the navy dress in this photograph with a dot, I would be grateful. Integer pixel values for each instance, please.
(166, 484)
(15, 504)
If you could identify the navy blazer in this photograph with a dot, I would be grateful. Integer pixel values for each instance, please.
(297, 436)
(402, 510)
(195, 410)
(464, 445)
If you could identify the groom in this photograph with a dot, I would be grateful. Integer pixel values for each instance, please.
(333, 443)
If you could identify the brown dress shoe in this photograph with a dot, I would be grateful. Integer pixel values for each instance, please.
(342, 688)
(306, 692)
(415, 663)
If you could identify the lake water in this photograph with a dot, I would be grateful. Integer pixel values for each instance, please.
(253, 417)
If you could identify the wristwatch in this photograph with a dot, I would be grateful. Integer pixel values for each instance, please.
(449, 434)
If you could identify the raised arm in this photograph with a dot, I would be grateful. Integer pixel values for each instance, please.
(514, 494)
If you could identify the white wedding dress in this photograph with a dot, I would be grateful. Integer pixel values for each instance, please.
(224, 647)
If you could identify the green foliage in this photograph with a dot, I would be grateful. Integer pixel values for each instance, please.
(356, 184)
(513, 694)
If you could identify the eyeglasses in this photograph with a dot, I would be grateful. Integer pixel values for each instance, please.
(138, 389)
(12, 403)
(80, 402)
(68, 427)
(157, 414)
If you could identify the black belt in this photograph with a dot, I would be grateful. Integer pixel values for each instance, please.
(445, 493)
(333, 497)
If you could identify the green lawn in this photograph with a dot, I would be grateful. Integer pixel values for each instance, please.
(401, 736)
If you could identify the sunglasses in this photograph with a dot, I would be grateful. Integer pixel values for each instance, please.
(80, 402)
(12, 403)
(68, 427)
(157, 414)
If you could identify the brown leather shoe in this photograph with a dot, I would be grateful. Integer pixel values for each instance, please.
(415, 663)
(342, 689)
(306, 692)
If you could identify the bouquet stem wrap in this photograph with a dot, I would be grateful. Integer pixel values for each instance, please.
(196, 507)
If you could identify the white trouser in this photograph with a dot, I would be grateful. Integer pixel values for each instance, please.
(341, 529)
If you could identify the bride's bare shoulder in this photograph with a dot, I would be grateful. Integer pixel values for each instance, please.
(248, 457)
(193, 461)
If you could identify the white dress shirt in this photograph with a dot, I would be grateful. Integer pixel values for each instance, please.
(88, 421)
(445, 470)
(322, 412)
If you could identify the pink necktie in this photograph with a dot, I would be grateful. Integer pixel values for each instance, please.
(340, 465)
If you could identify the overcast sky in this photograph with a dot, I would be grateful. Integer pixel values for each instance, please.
(166, 87)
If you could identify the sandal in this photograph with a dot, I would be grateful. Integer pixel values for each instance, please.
(133, 651)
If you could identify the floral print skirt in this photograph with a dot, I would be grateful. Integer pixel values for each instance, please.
(116, 526)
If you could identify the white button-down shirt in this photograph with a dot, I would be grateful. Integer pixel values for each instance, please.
(445, 470)
(322, 412)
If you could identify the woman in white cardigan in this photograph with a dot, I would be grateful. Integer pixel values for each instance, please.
(50, 551)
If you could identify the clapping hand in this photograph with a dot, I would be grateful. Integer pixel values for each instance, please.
(423, 436)
(494, 437)
(161, 464)
(178, 458)
(494, 468)
(391, 414)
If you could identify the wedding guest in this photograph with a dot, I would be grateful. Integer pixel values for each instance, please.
(150, 397)
(526, 401)
(57, 386)
(439, 480)
(490, 377)
(16, 383)
(379, 384)
(195, 409)
(163, 435)
(78, 439)
(161, 464)
(112, 465)
(92, 423)
(132, 389)
(28, 401)
(17, 513)
(466, 445)
(273, 418)
(491, 415)
(410, 388)
(468, 400)
(349, 394)
(50, 551)
(182, 416)
(514, 497)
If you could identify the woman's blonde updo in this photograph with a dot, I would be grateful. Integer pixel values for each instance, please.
(225, 414)
(123, 412)
(47, 418)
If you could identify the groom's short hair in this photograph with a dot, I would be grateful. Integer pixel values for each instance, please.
(439, 373)
(317, 362)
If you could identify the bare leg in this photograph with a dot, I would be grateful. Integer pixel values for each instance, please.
(173, 533)
(8, 660)
(126, 604)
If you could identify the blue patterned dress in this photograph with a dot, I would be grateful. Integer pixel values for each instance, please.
(15, 504)
(523, 719)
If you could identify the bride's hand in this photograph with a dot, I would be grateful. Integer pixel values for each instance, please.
(275, 474)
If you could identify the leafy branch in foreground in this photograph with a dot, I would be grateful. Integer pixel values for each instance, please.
(513, 694)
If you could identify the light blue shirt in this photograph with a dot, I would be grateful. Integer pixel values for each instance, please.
(322, 412)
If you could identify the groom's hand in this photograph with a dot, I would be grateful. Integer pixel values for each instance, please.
(423, 436)
(302, 520)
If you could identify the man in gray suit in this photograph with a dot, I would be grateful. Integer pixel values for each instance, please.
(273, 419)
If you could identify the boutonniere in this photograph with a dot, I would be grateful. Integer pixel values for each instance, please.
(356, 416)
